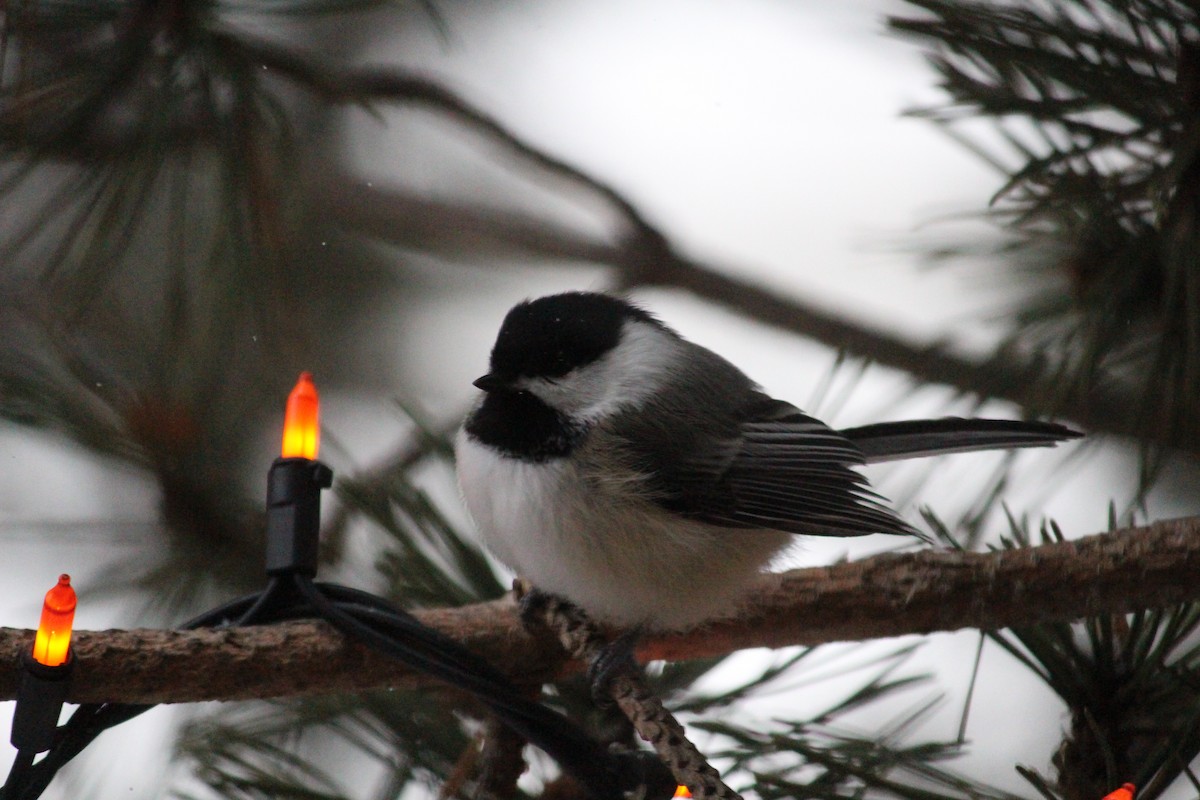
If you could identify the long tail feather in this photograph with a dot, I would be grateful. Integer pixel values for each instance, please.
(890, 441)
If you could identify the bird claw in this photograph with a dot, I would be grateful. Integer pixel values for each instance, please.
(614, 660)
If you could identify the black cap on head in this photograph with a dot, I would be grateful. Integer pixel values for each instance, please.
(550, 336)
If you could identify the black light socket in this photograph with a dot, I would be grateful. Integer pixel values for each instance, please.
(40, 696)
(294, 514)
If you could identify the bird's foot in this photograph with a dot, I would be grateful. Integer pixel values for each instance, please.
(615, 659)
(581, 636)
(532, 604)
(570, 623)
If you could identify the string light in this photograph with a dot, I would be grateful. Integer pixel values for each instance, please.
(1126, 792)
(294, 485)
(53, 640)
(45, 680)
(301, 430)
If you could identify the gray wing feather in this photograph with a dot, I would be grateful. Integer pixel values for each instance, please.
(741, 459)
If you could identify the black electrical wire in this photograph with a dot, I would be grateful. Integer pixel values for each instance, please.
(27, 781)
(19, 772)
(396, 633)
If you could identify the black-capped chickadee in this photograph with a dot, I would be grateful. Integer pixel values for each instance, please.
(648, 480)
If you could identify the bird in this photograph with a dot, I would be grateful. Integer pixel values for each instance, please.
(649, 481)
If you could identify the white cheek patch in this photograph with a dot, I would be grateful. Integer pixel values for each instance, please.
(623, 377)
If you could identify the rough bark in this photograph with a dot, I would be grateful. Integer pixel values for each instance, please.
(887, 595)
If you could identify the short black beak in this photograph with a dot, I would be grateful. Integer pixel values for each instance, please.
(491, 382)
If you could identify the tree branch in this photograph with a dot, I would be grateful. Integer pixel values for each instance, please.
(887, 595)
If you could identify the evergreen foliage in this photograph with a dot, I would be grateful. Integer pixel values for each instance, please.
(1094, 112)
(165, 276)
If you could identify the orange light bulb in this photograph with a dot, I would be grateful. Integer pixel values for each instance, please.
(301, 431)
(53, 639)
(1126, 792)
(682, 791)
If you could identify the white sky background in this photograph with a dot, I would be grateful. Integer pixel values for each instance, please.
(761, 136)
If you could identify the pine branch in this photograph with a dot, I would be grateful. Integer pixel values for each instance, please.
(1093, 106)
(888, 595)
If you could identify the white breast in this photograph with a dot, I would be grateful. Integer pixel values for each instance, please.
(595, 542)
